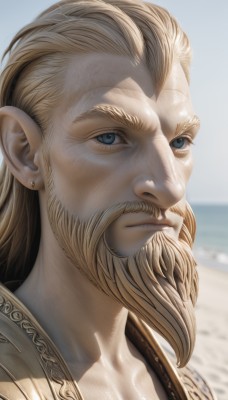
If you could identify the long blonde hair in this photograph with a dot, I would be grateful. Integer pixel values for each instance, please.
(32, 81)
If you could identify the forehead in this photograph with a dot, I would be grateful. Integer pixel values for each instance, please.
(94, 74)
(95, 79)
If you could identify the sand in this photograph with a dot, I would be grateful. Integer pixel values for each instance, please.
(210, 356)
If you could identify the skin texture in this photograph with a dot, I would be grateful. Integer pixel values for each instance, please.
(141, 165)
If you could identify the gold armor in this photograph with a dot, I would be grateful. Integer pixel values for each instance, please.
(31, 367)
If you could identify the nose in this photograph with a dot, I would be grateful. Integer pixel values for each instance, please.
(158, 179)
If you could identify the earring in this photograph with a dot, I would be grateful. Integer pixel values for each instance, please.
(32, 183)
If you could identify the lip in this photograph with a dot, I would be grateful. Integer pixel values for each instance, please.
(151, 222)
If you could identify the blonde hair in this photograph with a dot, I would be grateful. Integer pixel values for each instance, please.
(32, 81)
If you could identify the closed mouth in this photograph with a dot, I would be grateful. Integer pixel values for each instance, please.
(152, 223)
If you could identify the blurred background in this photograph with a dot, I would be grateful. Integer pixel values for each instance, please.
(206, 25)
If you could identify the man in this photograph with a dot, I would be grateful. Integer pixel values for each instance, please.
(96, 133)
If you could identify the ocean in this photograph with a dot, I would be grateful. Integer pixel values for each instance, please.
(211, 245)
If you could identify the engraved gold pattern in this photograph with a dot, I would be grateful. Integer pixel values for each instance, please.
(186, 384)
(3, 339)
(52, 363)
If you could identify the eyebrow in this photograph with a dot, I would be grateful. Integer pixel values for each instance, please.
(119, 115)
(189, 124)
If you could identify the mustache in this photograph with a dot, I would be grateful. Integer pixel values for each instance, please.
(147, 207)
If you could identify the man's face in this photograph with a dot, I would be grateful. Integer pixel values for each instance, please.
(113, 141)
(118, 161)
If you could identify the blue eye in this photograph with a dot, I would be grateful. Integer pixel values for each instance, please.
(180, 142)
(107, 138)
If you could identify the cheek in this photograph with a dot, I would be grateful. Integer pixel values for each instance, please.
(186, 167)
(84, 182)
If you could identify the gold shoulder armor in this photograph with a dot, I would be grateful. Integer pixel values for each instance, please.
(30, 366)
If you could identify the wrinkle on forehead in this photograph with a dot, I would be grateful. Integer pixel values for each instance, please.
(94, 71)
(90, 73)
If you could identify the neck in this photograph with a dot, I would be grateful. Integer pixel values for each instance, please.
(83, 322)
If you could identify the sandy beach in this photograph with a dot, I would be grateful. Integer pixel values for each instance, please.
(210, 356)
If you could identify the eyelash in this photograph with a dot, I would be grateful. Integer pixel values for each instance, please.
(110, 146)
(186, 137)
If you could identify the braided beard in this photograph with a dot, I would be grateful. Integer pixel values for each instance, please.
(159, 283)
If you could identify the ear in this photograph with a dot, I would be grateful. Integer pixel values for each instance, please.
(21, 140)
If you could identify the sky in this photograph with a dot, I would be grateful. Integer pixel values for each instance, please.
(205, 22)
